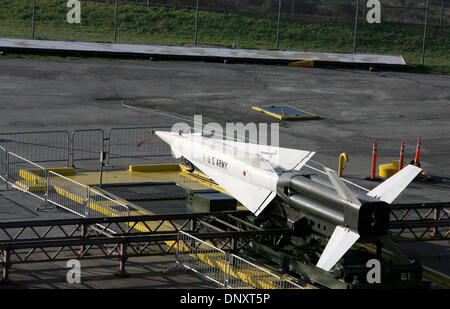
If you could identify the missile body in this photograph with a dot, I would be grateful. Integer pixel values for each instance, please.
(256, 174)
(370, 217)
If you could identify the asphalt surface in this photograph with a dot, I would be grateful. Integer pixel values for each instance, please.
(355, 106)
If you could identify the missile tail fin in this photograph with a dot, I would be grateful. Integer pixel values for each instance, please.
(391, 188)
(340, 242)
(343, 191)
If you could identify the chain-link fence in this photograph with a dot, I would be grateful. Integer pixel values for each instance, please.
(407, 27)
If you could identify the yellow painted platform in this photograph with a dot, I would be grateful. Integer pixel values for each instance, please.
(157, 173)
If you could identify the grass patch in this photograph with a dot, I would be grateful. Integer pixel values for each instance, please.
(157, 25)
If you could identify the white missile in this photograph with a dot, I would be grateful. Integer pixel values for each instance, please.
(255, 174)
(246, 171)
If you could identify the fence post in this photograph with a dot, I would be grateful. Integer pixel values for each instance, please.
(69, 150)
(46, 189)
(33, 19)
(6, 169)
(83, 236)
(424, 46)
(355, 34)
(6, 264)
(226, 280)
(278, 24)
(196, 23)
(116, 21)
(123, 257)
(86, 211)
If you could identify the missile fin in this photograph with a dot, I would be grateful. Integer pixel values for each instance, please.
(343, 191)
(285, 158)
(302, 161)
(253, 197)
(340, 242)
(391, 188)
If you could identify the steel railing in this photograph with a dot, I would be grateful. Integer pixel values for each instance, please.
(3, 164)
(80, 238)
(227, 270)
(242, 274)
(56, 189)
(202, 258)
(68, 194)
(39, 147)
(26, 176)
(87, 144)
(136, 142)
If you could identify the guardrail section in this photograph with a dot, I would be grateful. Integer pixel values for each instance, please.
(201, 257)
(227, 270)
(26, 176)
(244, 274)
(46, 146)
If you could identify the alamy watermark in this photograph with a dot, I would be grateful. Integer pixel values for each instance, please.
(374, 14)
(74, 274)
(74, 14)
(374, 274)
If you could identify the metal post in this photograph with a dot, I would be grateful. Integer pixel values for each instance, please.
(6, 169)
(69, 157)
(436, 218)
(123, 259)
(33, 19)
(441, 22)
(116, 21)
(83, 236)
(424, 46)
(6, 265)
(101, 175)
(102, 159)
(71, 150)
(227, 271)
(233, 245)
(196, 24)
(278, 24)
(86, 211)
(194, 225)
(355, 35)
(46, 189)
